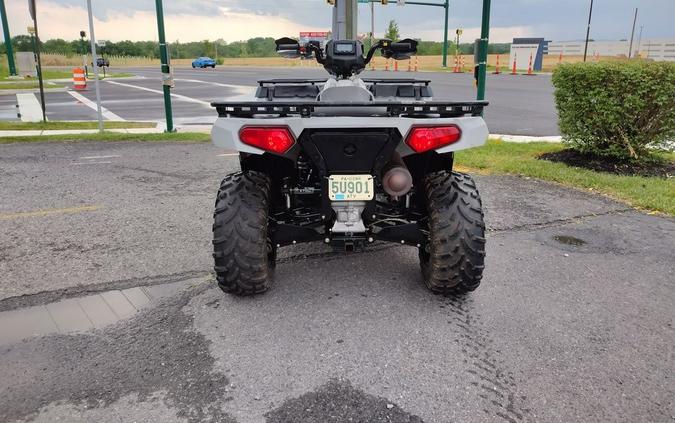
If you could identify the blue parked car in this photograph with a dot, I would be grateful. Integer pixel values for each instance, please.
(204, 62)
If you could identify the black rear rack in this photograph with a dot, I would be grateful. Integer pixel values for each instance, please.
(304, 109)
(263, 82)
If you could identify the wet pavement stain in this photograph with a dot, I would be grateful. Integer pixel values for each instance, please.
(339, 401)
(497, 386)
(158, 350)
(569, 240)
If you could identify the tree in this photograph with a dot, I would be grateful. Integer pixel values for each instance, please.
(392, 31)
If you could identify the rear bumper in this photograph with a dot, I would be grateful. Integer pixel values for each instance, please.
(225, 132)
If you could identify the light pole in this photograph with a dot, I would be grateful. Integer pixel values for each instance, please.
(445, 34)
(483, 50)
(92, 40)
(588, 30)
(166, 70)
(36, 46)
(8, 40)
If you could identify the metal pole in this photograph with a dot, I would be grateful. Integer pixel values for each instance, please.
(8, 40)
(445, 35)
(632, 34)
(92, 40)
(483, 50)
(166, 70)
(372, 24)
(588, 30)
(639, 43)
(39, 68)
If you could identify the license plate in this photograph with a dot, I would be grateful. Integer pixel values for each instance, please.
(350, 187)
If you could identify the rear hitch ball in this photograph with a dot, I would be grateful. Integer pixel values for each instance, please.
(396, 179)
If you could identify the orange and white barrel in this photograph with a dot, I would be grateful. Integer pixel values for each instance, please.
(79, 80)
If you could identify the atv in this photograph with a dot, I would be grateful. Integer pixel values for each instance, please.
(348, 161)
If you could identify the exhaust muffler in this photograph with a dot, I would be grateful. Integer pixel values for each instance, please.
(396, 180)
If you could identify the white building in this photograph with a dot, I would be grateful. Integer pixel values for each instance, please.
(653, 49)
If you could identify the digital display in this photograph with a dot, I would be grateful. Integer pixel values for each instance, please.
(345, 48)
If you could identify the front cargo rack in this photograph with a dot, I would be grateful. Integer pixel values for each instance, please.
(248, 109)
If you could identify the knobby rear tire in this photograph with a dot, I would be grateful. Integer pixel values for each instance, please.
(243, 254)
(453, 261)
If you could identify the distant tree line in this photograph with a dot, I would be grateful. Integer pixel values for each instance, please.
(254, 47)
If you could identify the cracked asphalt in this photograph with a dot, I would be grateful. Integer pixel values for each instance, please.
(574, 320)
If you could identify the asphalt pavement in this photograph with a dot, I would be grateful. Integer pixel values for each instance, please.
(519, 105)
(573, 322)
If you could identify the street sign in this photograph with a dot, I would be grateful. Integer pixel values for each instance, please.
(31, 30)
(460, 31)
(101, 43)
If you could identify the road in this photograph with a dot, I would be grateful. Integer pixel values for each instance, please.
(519, 105)
(574, 321)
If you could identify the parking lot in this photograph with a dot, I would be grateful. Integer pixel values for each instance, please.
(574, 321)
(519, 105)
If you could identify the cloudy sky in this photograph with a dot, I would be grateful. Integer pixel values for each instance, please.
(231, 20)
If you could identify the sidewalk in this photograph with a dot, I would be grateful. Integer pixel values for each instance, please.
(157, 130)
(207, 129)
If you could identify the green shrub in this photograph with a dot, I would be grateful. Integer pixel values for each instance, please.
(219, 61)
(619, 110)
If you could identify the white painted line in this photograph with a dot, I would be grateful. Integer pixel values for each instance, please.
(241, 89)
(107, 114)
(178, 96)
(228, 154)
(87, 163)
(29, 107)
(99, 157)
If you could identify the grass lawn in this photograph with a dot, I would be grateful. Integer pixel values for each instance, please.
(655, 194)
(189, 137)
(26, 85)
(14, 126)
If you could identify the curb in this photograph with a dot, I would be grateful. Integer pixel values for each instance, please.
(527, 138)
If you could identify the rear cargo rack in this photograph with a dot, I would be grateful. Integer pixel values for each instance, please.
(306, 109)
(262, 82)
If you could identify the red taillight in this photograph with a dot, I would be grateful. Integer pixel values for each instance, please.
(425, 138)
(277, 139)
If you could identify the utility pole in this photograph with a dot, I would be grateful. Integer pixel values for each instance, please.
(588, 30)
(92, 40)
(632, 34)
(483, 50)
(167, 80)
(8, 40)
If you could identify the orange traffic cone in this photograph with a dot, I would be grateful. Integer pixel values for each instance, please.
(395, 65)
(560, 58)
(529, 67)
(513, 69)
(461, 69)
(417, 64)
(497, 70)
(456, 68)
(386, 65)
(409, 65)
